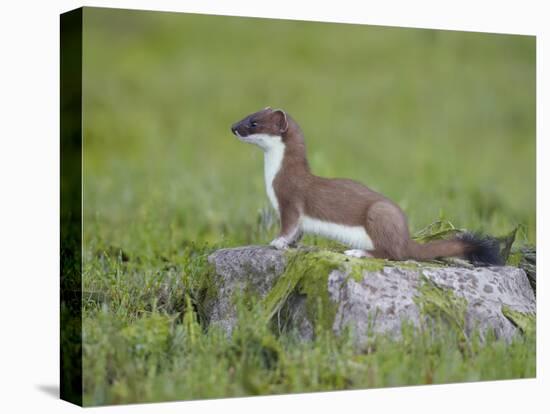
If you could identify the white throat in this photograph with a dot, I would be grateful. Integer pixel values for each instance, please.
(274, 150)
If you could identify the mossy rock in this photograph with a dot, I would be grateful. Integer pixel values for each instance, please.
(313, 291)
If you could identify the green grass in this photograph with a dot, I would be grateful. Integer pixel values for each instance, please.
(441, 122)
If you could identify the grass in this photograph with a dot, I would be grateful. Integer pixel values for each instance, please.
(441, 122)
(156, 357)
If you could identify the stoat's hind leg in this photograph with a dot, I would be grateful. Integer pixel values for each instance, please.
(357, 253)
(387, 226)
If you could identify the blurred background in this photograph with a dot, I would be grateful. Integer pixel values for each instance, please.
(441, 122)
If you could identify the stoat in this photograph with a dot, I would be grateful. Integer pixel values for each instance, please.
(340, 209)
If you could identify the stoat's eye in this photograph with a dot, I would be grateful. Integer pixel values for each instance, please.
(253, 124)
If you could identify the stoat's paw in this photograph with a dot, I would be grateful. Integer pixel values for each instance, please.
(279, 243)
(357, 253)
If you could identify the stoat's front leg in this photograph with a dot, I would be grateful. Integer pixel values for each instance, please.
(290, 229)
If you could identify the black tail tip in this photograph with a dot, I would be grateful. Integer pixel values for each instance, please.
(482, 250)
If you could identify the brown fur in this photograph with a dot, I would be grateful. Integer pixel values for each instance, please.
(336, 200)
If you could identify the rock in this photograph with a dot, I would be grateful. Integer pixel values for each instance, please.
(238, 269)
(309, 289)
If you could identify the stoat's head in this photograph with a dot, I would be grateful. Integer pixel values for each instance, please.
(264, 128)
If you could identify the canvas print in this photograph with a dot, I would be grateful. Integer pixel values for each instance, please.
(259, 206)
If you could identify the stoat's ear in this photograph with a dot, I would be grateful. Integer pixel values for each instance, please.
(267, 108)
(281, 120)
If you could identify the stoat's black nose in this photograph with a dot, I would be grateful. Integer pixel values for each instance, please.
(235, 128)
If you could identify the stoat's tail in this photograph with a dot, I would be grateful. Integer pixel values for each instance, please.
(480, 250)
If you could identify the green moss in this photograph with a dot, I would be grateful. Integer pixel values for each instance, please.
(356, 267)
(514, 259)
(526, 322)
(442, 305)
(307, 273)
